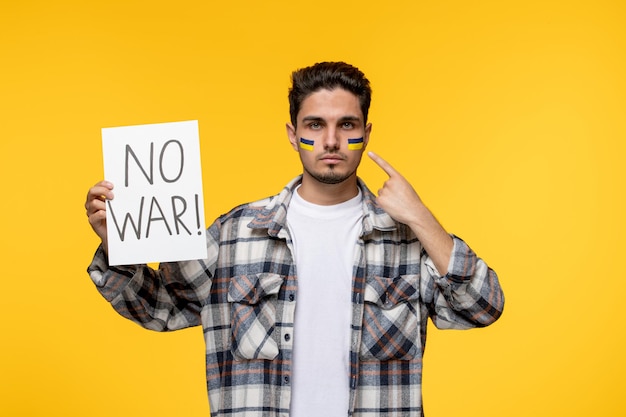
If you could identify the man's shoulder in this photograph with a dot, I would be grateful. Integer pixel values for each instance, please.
(247, 210)
(266, 207)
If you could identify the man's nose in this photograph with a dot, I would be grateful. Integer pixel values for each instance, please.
(331, 139)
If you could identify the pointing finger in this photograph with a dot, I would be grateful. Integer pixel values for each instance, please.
(384, 165)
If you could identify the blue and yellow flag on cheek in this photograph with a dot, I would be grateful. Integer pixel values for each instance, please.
(355, 144)
(306, 144)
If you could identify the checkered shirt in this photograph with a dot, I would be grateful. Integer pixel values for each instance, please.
(244, 296)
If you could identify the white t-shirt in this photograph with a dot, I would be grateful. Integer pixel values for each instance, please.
(324, 240)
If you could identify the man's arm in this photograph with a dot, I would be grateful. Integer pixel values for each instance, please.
(463, 292)
(399, 199)
(169, 298)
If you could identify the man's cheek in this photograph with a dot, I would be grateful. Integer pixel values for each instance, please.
(355, 144)
(307, 144)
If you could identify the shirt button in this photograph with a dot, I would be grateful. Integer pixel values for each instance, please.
(287, 337)
(286, 380)
(292, 297)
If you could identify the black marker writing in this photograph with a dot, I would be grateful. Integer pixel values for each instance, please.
(176, 153)
(166, 215)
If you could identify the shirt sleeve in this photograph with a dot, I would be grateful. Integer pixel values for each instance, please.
(469, 295)
(168, 298)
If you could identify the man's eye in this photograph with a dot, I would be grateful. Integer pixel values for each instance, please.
(314, 125)
(348, 125)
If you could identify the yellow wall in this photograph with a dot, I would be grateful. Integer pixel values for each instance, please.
(507, 116)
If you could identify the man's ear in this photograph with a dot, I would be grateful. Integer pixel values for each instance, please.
(291, 134)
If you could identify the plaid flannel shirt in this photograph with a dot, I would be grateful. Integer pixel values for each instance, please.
(244, 296)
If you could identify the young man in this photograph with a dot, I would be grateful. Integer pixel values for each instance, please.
(314, 302)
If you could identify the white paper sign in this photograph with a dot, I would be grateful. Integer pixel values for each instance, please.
(157, 214)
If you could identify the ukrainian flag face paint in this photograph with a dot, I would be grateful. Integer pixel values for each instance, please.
(355, 144)
(306, 144)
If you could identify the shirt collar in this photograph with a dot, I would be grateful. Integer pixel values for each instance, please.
(273, 216)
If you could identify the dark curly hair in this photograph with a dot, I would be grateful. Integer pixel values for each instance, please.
(328, 75)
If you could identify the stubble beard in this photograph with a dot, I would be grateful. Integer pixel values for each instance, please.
(329, 177)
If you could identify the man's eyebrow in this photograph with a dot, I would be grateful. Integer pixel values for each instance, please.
(350, 119)
(312, 118)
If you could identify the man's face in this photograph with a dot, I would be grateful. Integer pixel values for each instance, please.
(331, 119)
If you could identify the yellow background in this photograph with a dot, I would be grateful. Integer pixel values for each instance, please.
(507, 116)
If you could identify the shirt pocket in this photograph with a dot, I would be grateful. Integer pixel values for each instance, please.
(253, 301)
(390, 319)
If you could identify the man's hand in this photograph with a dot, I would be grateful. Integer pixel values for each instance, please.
(96, 208)
(397, 197)
(400, 200)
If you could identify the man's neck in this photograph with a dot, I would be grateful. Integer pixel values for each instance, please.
(316, 192)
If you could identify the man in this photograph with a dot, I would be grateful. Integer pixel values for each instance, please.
(314, 302)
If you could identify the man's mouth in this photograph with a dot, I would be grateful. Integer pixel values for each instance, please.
(332, 158)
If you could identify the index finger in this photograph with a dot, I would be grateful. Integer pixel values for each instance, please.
(384, 165)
